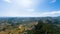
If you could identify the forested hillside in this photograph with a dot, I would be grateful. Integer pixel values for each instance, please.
(45, 28)
(30, 25)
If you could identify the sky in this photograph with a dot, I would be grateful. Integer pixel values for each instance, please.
(29, 8)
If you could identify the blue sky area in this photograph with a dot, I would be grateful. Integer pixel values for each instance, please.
(29, 8)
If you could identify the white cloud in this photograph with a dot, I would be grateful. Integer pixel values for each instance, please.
(9, 1)
(22, 8)
(42, 14)
(52, 14)
(53, 1)
(26, 3)
(30, 14)
(30, 10)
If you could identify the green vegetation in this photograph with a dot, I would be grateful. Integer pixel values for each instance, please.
(44, 25)
(44, 28)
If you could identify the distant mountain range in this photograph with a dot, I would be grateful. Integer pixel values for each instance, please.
(53, 20)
